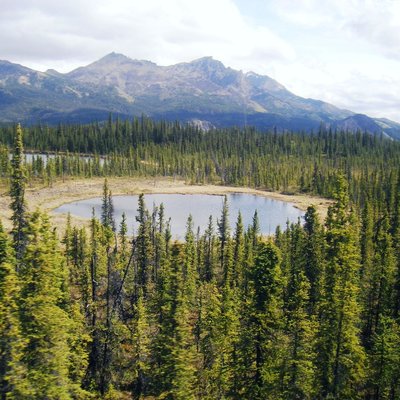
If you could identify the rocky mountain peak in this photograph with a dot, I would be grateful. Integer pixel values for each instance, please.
(111, 64)
(207, 64)
(53, 72)
(201, 90)
(264, 82)
(7, 68)
(208, 69)
(114, 59)
(115, 56)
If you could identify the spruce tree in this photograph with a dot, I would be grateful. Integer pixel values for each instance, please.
(383, 333)
(368, 273)
(396, 245)
(162, 343)
(209, 332)
(182, 358)
(266, 330)
(341, 357)
(144, 253)
(229, 326)
(107, 208)
(384, 367)
(238, 253)
(17, 193)
(179, 351)
(46, 325)
(95, 377)
(190, 274)
(159, 242)
(209, 272)
(314, 248)
(141, 348)
(299, 369)
(224, 237)
(13, 380)
(123, 239)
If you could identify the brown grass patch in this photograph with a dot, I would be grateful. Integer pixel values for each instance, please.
(49, 198)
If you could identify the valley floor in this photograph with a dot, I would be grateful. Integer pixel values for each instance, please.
(48, 198)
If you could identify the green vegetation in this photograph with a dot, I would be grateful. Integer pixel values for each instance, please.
(312, 312)
(286, 162)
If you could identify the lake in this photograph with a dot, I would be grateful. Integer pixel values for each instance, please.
(178, 207)
(48, 156)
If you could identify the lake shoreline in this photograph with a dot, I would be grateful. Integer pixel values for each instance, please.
(49, 198)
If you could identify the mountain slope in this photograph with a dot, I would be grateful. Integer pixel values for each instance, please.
(203, 90)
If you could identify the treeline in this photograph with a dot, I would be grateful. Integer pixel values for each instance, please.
(288, 162)
(311, 313)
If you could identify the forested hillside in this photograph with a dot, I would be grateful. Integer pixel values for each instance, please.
(312, 312)
(241, 157)
(202, 91)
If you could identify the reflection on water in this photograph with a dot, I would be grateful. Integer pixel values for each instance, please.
(271, 213)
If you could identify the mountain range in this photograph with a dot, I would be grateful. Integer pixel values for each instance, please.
(203, 91)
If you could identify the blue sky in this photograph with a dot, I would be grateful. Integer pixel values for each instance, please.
(346, 52)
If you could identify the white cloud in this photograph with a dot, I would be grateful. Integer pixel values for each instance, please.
(166, 32)
(343, 51)
(348, 53)
(377, 22)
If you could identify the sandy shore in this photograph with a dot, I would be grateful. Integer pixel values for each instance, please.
(49, 198)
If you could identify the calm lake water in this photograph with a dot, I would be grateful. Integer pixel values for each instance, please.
(178, 207)
(49, 156)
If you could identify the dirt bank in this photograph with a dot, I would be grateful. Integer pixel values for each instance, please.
(49, 198)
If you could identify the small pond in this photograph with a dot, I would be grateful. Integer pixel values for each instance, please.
(178, 207)
(29, 157)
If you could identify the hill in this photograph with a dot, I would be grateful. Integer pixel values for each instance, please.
(203, 91)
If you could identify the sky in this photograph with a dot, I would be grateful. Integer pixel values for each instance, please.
(345, 52)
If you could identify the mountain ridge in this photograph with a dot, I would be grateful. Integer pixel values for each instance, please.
(201, 90)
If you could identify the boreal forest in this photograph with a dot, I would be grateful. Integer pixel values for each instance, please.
(311, 312)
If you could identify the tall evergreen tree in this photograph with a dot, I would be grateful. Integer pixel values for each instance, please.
(95, 377)
(13, 382)
(299, 370)
(266, 328)
(190, 274)
(384, 370)
(229, 338)
(382, 334)
(144, 253)
(208, 331)
(368, 273)
(341, 356)
(209, 272)
(314, 248)
(238, 253)
(107, 207)
(17, 193)
(396, 245)
(183, 351)
(141, 351)
(224, 237)
(46, 325)
(179, 351)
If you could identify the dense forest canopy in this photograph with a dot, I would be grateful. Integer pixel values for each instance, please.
(241, 157)
(312, 312)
